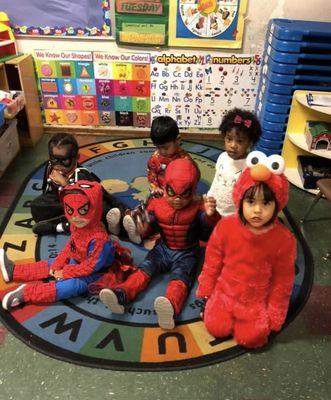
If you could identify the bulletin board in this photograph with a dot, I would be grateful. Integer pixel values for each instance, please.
(100, 89)
(59, 17)
(207, 23)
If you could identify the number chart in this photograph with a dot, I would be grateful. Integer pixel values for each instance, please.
(198, 90)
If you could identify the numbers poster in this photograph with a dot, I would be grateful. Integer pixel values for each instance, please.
(197, 90)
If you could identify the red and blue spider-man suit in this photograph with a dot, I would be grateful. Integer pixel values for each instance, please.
(177, 251)
(88, 250)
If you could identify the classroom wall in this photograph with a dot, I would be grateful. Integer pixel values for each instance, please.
(258, 14)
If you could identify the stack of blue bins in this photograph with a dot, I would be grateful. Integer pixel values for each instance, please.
(297, 56)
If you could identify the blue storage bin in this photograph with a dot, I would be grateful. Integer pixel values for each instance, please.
(272, 126)
(292, 69)
(272, 135)
(271, 117)
(268, 86)
(266, 151)
(271, 144)
(295, 58)
(285, 79)
(287, 29)
(2, 114)
(275, 98)
(272, 107)
(296, 46)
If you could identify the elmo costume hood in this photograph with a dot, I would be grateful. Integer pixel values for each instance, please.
(261, 168)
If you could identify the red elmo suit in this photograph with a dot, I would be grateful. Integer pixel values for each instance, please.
(248, 277)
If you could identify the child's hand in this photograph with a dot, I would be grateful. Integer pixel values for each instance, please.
(210, 205)
(157, 192)
(58, 177)
(142, 226)
(57, 274)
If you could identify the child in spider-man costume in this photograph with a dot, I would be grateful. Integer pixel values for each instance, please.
(88, 251)
(179, 216)
(248, 273)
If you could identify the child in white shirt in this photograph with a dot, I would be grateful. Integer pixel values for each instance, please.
(240, 130)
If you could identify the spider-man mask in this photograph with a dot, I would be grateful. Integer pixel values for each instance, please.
(181, 179)
(82, 203)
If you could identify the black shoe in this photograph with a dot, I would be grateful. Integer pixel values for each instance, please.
(6, 266)
(44, 228)
(49, 228)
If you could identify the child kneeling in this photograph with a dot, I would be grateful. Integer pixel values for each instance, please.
(248, 273)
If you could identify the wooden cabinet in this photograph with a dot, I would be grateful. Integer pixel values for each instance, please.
(18, 74)
(295, 141)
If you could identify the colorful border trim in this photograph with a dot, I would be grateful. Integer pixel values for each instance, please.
(69, 30)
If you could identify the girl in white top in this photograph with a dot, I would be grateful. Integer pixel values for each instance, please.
(240, 130)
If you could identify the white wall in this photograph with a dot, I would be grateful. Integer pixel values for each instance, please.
(258, 14)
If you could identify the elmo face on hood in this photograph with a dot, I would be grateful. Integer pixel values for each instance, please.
(82, 203)
(261, 168)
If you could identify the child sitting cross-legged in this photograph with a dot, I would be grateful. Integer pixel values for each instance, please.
(248, 272)
(179, 216)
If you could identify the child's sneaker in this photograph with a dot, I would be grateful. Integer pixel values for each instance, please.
(165, 312)
(131, 228)
(7, 266)
(13, 298)
(113, 299)
(113, 218)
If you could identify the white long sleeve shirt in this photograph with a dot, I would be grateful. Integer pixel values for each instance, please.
(226, 175)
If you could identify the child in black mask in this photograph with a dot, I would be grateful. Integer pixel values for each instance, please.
(61, 169)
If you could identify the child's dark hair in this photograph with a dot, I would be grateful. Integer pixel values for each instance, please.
(164, 129)
(243, 121)
(63, 139)
(268, 196)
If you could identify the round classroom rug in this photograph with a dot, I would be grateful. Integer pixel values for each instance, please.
(82, 330)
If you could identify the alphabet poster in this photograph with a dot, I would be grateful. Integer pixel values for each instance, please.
(207, 23)
(197, 90)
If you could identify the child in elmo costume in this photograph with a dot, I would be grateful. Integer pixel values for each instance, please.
(248, 273)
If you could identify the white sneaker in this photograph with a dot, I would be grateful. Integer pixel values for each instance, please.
(131, 228)
(113, 218)
(6, 266)
(13, 298)
(110, 300)
(165, 312)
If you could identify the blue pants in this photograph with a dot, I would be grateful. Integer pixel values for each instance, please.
(182, 264)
